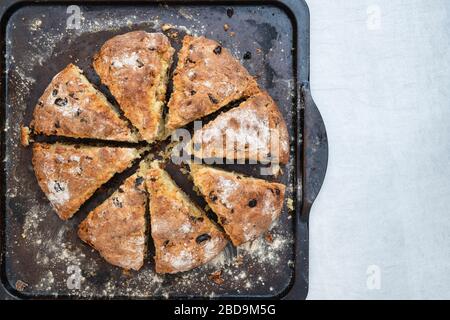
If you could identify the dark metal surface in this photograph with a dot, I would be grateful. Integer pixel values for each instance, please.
(38, 248)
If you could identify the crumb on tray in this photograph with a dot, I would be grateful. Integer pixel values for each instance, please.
(25, 136)
(216, 277)
(20, 285)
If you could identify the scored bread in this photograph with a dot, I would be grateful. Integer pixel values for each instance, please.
(246, 207)
(135, 68)
(254, 130)
(70, 106)
(116, 228)
(206, 79)
(70, 174)
(183, 236)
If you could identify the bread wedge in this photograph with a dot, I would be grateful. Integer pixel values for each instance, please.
(117, 227)
(254, 130)
(70, 174)
(246, 207)
(70, 106)
(134, 66)
(206, 79)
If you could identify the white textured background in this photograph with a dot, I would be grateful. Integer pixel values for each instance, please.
(380, 75)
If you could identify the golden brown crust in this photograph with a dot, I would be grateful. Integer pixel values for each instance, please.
(254, 130)
(183, 235)
(134, 66)
(206, 79)
(70, 174)
(116, 228)
(246, 207)
(70, 106)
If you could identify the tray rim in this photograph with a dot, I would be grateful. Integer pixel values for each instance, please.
(297, 288)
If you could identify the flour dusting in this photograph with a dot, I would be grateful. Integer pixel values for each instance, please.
(127, 60)
(58, 192)
(226, 188)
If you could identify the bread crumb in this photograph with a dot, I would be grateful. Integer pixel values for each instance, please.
(232, 34)
(290, 204)
(173, 34)
(25, 136)
(126, 273)
(184, 171)
(20, 285)
(226, 27)
(268, 237)
(216, 277)
(195, 188)
(36, 24)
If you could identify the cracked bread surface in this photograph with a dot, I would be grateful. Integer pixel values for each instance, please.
(183, 235)
(246, 207)
(135, 68)
(70, 106)
(117, 227)
(70, 174)
(254, 130)
(207, 78)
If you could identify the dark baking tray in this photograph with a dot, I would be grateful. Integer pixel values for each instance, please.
(37, 248)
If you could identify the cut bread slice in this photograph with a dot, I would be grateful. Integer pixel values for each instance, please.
(116, 228)
(246, 207)
(206, 79)
(183, 236)
(72, 107)
(254, 130)
(135, 68)
(70, 174)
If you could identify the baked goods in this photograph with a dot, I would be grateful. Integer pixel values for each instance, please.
(254, 130)
(116, 228)
(183, 235)
(134, 66)
(25, 138)
(72, 107)
(206, 79)
(70, 174)
(246, 207)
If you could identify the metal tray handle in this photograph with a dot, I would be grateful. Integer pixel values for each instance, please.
(315, 150)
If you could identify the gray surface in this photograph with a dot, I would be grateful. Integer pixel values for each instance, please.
(383, 87)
